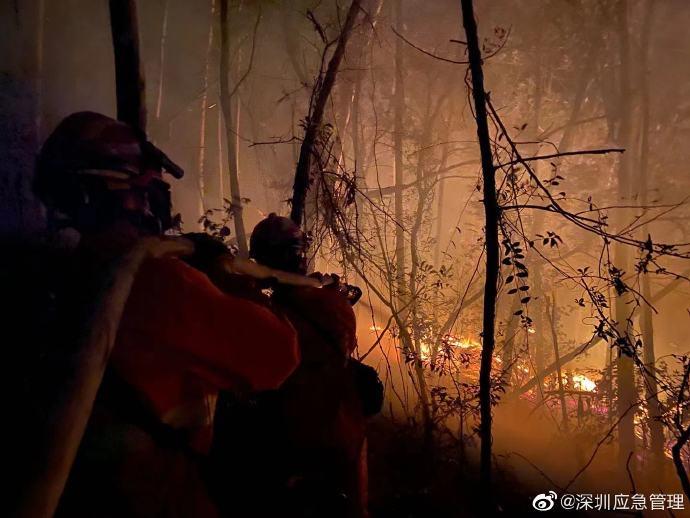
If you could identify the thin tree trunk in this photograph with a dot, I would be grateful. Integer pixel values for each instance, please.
(538, 307)
(439, 221)
(553, 320)
(355, 129)
(678, 460)
(508, 357)
(294, 146)
(235, 167)
(230, 134)
(129, 72)
(357, 137)
(219, 145)
(271, 195)
(422, 196)
(161, 62)
(292, 42)
(491, 213)
(203, 110)
(399, 116)
(609, 387)
(646, 318)
(625, 365)
(303, 171)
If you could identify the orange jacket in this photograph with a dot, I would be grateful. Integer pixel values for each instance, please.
(181, 339)
(321, 405)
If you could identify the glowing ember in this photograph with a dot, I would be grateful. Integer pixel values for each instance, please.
(531, 330)
(375, 328)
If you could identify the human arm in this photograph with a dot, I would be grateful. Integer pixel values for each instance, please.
(220, 337)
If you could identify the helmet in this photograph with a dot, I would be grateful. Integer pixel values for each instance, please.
(278, 242)
(90, 160)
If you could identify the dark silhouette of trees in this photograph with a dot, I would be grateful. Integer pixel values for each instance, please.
(129, 72)
(317, 105)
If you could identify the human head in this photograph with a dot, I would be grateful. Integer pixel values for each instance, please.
(94, 171)
(279, 243)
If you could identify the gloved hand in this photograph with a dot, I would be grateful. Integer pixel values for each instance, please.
(330, 280)
(333, 281)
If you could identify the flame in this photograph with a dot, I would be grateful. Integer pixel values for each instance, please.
(426, 347)
(462, 343)
(582, 382)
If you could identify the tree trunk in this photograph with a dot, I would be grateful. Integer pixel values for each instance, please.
(357, 136)
(235, 175)
(292, 42)
(423, 195)
(161, 62)
(226, 105)
(625, 366)
(399, 110)
(129, 72)
(491, 213)
(656, 430)
(315, 117)
(439, 221)
(508, 357)
(553, 324)
(537, 306)
(219, 146)
(678, 460)
(203, 111)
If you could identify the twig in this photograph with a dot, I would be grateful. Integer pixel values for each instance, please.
(627, 468)
(251, 56)
(565, 153)
(317, 26)
(608, 434)
(378, 339)
(273, 142)
(538, 469)
(430, 54)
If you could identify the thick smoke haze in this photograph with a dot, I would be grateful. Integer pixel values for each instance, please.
(589, 101)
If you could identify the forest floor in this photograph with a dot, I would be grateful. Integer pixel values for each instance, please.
(408, 479)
